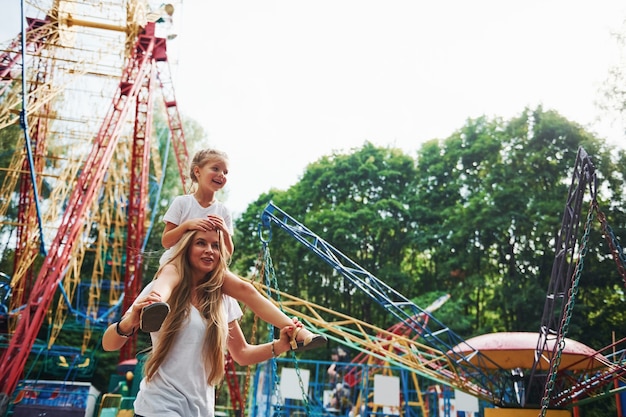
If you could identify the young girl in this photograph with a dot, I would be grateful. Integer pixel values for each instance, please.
(187, 359)
(202, 211)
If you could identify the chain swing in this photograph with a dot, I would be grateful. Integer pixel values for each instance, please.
(620, 261)
(272, 283)
(243, 394)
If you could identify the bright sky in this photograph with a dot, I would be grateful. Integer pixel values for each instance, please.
(279, 83)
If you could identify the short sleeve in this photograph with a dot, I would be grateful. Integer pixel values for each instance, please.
(233, 310)
(174, 213)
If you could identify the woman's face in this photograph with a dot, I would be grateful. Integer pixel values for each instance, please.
(204, 252)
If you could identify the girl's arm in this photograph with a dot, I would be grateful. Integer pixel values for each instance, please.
(228, 243)
(245, 354)
(173, 233)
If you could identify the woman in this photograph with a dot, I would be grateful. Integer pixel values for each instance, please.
(187, 359)
(202, 210)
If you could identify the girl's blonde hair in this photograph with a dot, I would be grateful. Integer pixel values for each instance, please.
(209, 292)
(203, 157)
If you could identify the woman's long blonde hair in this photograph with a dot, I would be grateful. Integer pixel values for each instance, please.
(209, 293)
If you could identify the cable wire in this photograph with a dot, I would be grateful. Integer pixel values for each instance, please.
(29, 150)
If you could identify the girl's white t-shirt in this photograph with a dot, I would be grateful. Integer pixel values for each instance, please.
(185, 207)
(180, 388)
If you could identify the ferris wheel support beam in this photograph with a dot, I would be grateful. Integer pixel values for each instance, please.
(38, 33)
(173, 119)
(88, 184)
(137, 201)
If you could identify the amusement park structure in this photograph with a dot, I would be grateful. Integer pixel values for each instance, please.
(76, 51)
(94, 165)
(502, 369)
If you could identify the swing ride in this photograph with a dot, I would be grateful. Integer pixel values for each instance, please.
(505, 370)
(81, 177)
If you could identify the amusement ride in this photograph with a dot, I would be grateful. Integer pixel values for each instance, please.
(79, 86)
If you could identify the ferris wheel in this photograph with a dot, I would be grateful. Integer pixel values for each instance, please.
(77, 92)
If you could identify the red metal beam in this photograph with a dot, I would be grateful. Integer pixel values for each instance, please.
(140, 167)
(88, 184)
(174, 121)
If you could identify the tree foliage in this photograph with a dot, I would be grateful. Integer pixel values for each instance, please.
(475, 215)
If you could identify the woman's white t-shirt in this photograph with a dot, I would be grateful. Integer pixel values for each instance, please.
(179, 388)
(185, 207)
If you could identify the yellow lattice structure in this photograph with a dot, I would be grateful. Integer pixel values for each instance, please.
(73, 61)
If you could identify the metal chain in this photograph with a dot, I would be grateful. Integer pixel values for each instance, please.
(569, 307)
(614, 246)
(269, 268)
(258, 276)
(271, 276)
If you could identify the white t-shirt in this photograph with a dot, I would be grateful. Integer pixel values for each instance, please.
(185, 207)
(179, 388)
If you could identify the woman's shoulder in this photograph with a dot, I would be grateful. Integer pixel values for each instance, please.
(228, 299)
(232, 307)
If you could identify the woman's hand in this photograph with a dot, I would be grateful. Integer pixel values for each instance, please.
(133, 317)
(282, 345)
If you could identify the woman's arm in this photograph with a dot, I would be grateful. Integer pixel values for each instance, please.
(116, 335)
(246, 293)
(246, 354)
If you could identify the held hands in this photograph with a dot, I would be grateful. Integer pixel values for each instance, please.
(134, 315)
(282, 344)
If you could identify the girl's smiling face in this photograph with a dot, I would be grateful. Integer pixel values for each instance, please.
(213, 175)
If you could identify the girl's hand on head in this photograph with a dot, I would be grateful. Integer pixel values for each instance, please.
(200, 225)
(217, 222)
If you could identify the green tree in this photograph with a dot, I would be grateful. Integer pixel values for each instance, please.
(489, 205)
(357, 202)
(476, 215)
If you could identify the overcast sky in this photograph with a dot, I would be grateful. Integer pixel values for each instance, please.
(278, 84)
